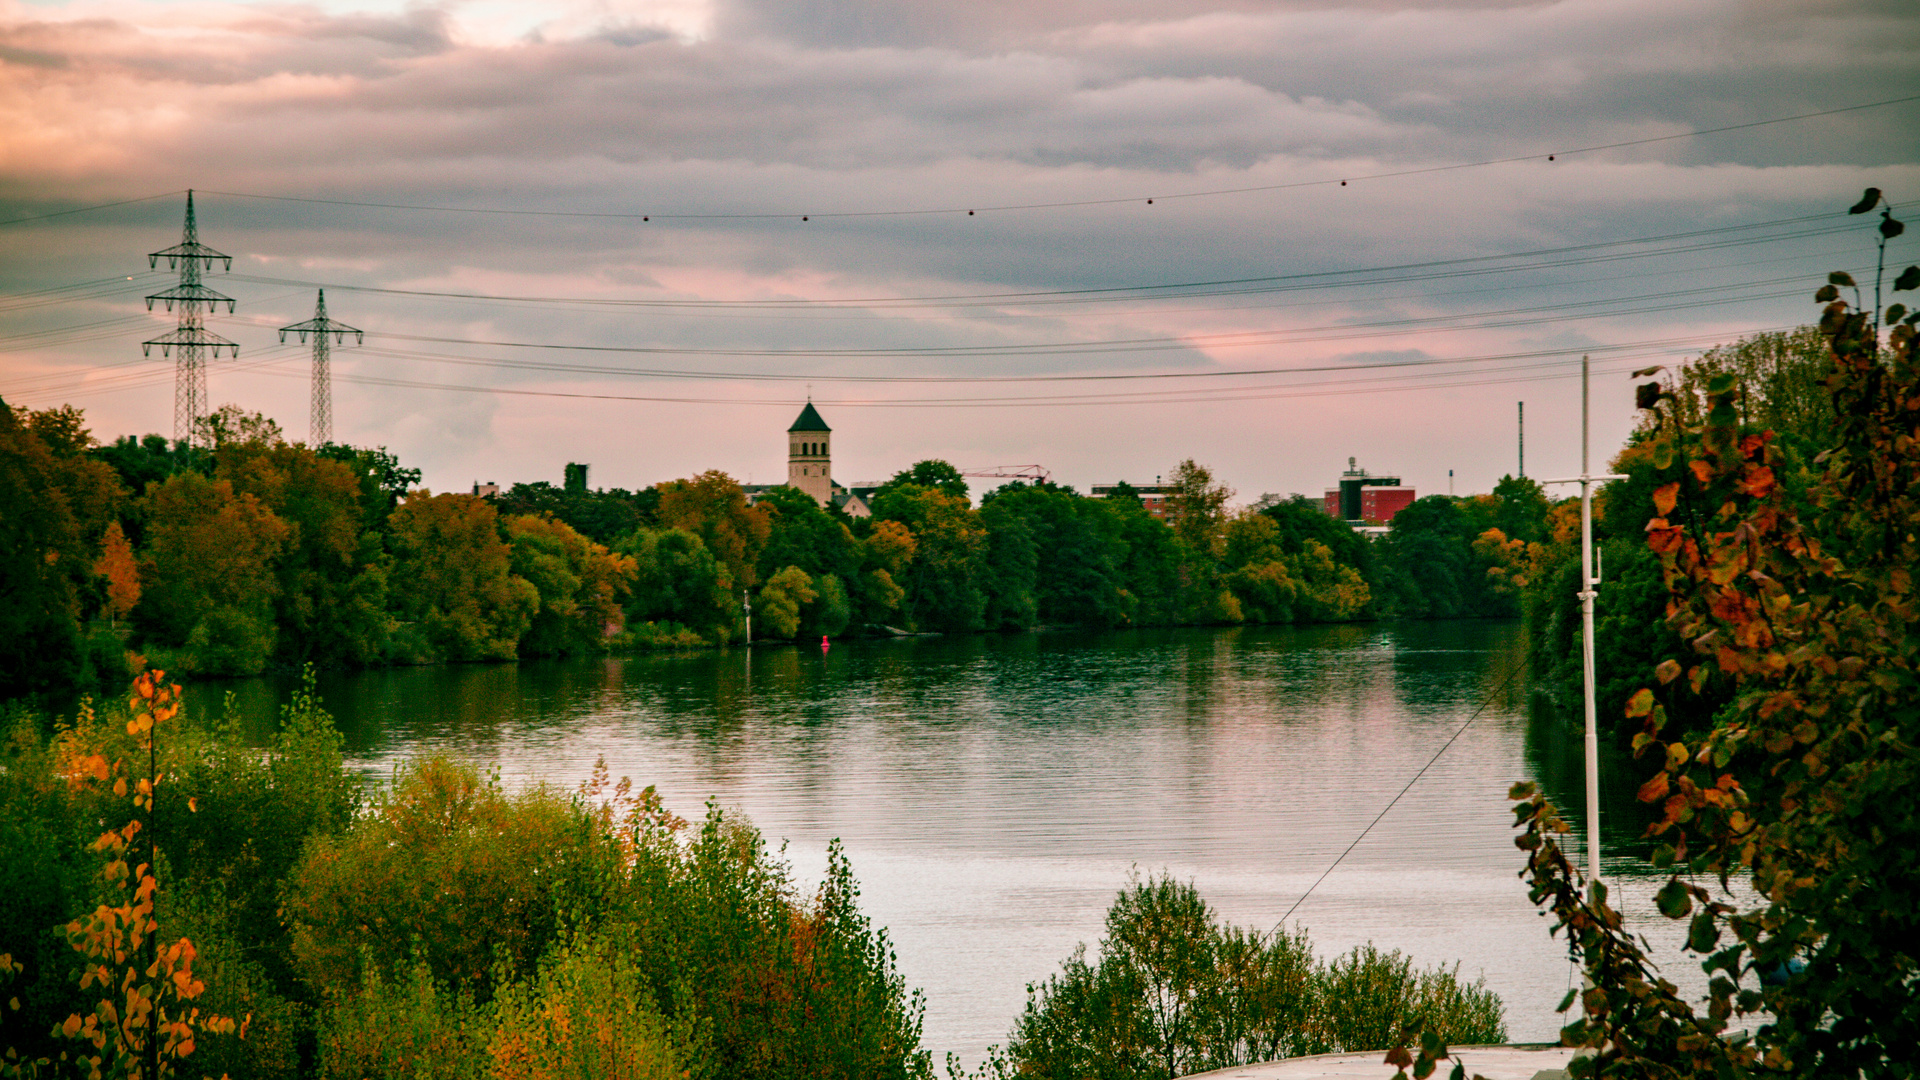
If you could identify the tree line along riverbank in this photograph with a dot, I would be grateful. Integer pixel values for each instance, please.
(247, 551)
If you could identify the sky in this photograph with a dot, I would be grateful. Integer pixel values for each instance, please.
(1096, 237)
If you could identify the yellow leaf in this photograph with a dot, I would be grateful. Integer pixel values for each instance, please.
(193, 805)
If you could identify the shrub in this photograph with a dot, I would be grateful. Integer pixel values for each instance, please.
(413, 1027)
(1174, 991)
(588, 1015)
(448, 871)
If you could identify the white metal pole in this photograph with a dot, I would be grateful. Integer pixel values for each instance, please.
(1587, 582)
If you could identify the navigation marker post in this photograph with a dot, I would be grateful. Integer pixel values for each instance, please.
(1588, 579)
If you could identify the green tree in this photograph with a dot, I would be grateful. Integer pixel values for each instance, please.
(582, 586)
(943, 583)
(1779, 385)
(1174, 991)
(1077, 581)
(1197, 509)
(1298, 519)
(210, 573)
(1426, 561)
(462, 595)
(142, 460)
(384, 482)
(55, 504)
(677, 580)
(801, 533)
(781, 599)
(1013, 558)
(601, 516)
(446, 868)
(932, 473)
(1151, 566)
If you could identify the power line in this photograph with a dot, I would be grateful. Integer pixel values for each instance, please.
(1843, 224)
(1329, 389)
(1706, 296)
(89, 209)
(969, 211)
(745, 376)
(1391, 803)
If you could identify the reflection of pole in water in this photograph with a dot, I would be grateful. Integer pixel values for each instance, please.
(1588, 579)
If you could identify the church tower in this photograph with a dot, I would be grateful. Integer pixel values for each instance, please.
(809, 463)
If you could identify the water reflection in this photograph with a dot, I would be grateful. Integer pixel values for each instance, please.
(994, 791)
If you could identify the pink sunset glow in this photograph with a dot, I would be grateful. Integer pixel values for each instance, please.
(726, 122)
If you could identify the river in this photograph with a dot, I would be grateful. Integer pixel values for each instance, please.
(993, 792)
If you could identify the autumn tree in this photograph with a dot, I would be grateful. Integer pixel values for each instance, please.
(210, 574)
(582, 586)
(141, 1021)
(461, 590)
(331, 604)
(1796, 784)
(885, 554)
(117, 568)
(712, 507)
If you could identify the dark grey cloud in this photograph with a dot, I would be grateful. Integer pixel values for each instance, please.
(792, 109)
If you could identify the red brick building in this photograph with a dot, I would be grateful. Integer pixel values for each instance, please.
(1364, 499)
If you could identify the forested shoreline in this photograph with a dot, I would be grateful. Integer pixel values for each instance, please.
(244, 551)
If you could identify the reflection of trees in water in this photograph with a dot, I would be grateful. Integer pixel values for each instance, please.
(1556, 758)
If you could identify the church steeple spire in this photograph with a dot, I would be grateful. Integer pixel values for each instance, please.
(809, 455)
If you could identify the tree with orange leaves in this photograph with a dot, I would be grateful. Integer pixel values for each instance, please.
(712, 507)
(144, 1023)
(1798, 782)
(122, 573)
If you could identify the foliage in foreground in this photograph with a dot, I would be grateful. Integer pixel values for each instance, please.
(1797, 782)
(440, 927)
(1175, 991)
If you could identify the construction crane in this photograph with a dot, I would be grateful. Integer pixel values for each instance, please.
(1036, 474)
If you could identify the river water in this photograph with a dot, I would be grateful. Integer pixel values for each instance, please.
(995, 791)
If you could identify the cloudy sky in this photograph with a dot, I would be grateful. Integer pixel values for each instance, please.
(638, 234)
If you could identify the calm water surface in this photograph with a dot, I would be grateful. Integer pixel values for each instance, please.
(994, 792)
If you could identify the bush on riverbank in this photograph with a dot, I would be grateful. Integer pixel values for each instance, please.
(442, 926)
(1175, 991)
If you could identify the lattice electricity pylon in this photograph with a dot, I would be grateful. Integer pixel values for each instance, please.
(320, 326)
(190, 337)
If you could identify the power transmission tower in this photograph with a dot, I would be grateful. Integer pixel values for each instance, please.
(320, 326)
(193, 340)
